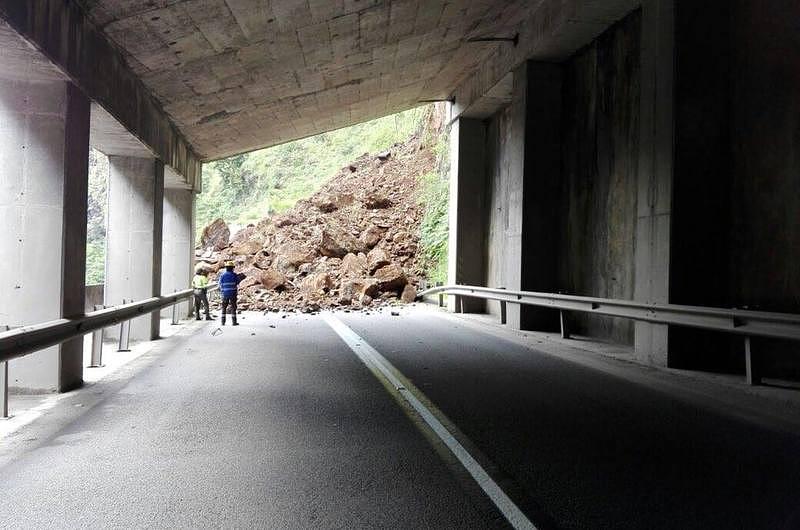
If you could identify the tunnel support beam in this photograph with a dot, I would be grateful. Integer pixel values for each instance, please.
(466, 252)
(133, 213)
(44, 152)
(654, 186)
(178, 248)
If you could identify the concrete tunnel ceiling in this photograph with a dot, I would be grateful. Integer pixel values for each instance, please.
(238, 75)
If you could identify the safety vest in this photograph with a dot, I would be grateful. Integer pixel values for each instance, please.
(200, 281)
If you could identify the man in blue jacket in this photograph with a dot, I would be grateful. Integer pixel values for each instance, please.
(229, 289)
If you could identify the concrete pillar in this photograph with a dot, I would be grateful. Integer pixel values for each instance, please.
(655, 176)
(178, 255)
(44, 153)
(135, 203)
(467, 214)
(158, 244)
(541, 155)
(524, 153)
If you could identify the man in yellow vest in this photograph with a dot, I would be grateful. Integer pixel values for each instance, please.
(200, 286)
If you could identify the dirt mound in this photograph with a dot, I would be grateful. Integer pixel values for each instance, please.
(353, 243)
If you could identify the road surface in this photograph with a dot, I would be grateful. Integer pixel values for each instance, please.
(279, 424)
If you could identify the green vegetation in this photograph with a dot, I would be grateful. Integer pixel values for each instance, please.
(433, 232)
(96, 226)
(245, 188)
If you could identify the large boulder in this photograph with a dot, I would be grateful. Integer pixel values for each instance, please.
(353, 265)
(356, 289)
(390, 278)
(246, 248)
(334, 242)
(272, 279)
(289, 257)
(216, 235)
(409, 294)
(317, 283)
(376, 259)
(371, 236)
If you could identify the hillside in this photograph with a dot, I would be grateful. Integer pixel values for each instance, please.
(244, 188)
(355, 242)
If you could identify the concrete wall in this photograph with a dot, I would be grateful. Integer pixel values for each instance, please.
(737, 191)
(32, 117)
(94, 296)
(765, 164)
(600, 149)
(504, 195)
(44, 148)
(129, 239)
(178, 256)
(523, 165)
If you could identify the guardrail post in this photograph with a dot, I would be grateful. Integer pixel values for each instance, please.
(441, 295)
(4, 385)
(562, 317)
(751, 364)
(175, 319)
(97, 345)
(124, 333)
(503, 313)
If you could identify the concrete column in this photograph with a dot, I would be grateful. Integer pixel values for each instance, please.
(655, 176)
(178, 255)
(132, 214)
(44, 152)
(524, 152)
(466, 243)
(541, 153)
(158, 244)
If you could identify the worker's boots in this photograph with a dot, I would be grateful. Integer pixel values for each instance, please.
(234, 322)
(208, 317)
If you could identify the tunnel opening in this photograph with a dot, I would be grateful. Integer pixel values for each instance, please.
(354, 218)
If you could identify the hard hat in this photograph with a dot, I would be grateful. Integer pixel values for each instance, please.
(230, 263)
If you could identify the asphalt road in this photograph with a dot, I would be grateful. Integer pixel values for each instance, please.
(284, 427)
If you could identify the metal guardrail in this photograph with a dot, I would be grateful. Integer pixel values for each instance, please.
(736, 321)
(27, 339)
(20, 341)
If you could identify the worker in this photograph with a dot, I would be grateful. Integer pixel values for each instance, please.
(200, 286)
(229, 289)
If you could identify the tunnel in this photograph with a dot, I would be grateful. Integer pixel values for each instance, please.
(616, 342)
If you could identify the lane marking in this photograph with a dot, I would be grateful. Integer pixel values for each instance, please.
(372, 358)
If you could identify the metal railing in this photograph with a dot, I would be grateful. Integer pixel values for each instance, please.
(736, 321)
(23, 340)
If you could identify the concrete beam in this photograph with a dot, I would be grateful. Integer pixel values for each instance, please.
(61, 31)
(552, 32)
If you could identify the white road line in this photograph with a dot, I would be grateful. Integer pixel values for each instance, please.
(371, 357)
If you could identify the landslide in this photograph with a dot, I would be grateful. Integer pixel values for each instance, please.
(352, 244)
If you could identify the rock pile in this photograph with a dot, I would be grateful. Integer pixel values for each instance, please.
(352, 244)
